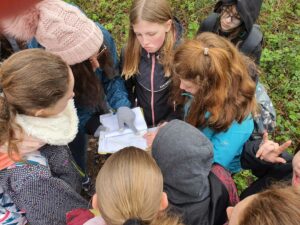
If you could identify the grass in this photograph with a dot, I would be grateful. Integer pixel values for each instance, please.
(280, 62)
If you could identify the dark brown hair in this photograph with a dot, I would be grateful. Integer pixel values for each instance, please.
(88, 88)
(5, 47)
(30, 80)
(226, 89)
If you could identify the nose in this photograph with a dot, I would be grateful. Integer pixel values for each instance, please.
(228, 19)
(181, 86)
(145, 42)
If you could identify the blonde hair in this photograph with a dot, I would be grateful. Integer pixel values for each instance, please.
(226, 89)
(275, 206)
(30, 80)
(130, 186)
(154, 11)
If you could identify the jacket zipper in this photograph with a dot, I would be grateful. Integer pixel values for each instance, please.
(152, 89)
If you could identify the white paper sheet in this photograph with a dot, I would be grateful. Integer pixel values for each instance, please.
(113, 139)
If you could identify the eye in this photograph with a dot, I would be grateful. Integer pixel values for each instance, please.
(152, 34)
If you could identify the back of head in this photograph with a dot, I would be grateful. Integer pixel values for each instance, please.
(30, 80)
(221, 73)
(276, 206)
(129, 186)
(154, 11)
(184, 156)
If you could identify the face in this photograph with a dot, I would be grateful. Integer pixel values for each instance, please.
(150, 35)
(189, 86)
(230, 18)
(61, 103)
(234, 213)
(94, 58)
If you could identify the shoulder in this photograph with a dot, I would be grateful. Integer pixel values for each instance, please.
(209, 23)
(253, 39)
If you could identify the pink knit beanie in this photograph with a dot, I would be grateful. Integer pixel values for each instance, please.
(58, 26)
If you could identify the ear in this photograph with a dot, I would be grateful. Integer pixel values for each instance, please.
(229, 212)
(168, 25)
(164, 201)
(94, 201)
(39, 113)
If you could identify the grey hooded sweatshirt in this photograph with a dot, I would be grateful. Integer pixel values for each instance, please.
(185, 158)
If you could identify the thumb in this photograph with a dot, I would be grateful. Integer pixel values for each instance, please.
(132, 126)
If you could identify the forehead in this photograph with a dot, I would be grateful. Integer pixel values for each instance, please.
(230, 8)
(238, 210)
(143, 26)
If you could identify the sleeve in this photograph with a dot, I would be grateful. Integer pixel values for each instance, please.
(257, 166)
(228, 145)
(44, 198)
(256, 54)
(115, 90)
(46, 201)
(63, 166)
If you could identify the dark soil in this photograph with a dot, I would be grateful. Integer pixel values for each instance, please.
(95, 161)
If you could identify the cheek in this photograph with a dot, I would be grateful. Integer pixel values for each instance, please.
(158, 41)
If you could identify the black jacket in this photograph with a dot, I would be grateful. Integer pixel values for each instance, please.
(211, 211)
(152, 97)
(249, 41)
(267, 173)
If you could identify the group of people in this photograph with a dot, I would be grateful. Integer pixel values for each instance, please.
(60, 71)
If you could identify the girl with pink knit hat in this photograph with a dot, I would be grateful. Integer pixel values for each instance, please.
(90, 51)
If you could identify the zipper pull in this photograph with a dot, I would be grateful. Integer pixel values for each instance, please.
(136, 102)
(174, 106)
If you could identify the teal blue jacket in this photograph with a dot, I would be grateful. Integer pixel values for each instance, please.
(228, 145)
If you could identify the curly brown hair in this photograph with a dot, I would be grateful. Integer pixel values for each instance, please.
(226, 89)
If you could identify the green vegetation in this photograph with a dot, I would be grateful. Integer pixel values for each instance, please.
(280, 62)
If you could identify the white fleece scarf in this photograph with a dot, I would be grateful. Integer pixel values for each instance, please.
(60, 129)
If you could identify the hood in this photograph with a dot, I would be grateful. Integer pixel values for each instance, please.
(185, 157)
(248, 10)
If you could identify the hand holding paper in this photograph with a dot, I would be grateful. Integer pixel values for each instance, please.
(126, 116)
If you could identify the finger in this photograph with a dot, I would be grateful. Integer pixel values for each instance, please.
(265, 137)
(260, 151)
(279, 160)
(284, 146)
(146, 135)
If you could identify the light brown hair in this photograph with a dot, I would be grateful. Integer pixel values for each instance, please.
(30, 80)
(154, 11)
(276, 206)
(226, 89)
(130, 186)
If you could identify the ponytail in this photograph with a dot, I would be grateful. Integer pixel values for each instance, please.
(8, 127)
